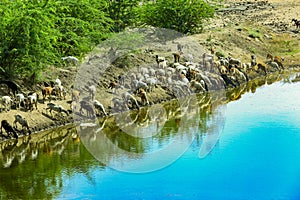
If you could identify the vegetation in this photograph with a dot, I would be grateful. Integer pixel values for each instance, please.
(180, 15)
(36, 34)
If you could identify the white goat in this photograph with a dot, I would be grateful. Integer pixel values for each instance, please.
(20, 98)
(71, 59)
(6, 102)
(99, 107)
(32, 100)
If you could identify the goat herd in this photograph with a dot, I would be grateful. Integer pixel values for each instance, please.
(182, 78)
(28, 103)
(130, 91)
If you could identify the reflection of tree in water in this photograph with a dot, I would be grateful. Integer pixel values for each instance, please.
(39, 163)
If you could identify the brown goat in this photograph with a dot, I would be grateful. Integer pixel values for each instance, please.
(47, 91)
(144, 99)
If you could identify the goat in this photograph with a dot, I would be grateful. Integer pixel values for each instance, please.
(176, 56)
(273, 64)
(262, 67)
(6, 101)
(47, 91)
(296, 22)
(114, 86)
(223, 69)
(58, 108)
(21, 120)
(128, 98)
(233, 61)
(75, 95)
(32, 100)
(92, 91)
(8, 129)
(179, 48)
(240, 75)
(85, 105)
(20, 98)
(253, 60)
(279, 60)
(198, 87)
(11, 85)
(151, 83)
(59, 91)
(276, 59)
(163, 64)
(71, 59)
(121, 79)
(228, 80)
(141, 84)
(144, 99)
(99, 107)
(119, 104)
(58, 82)
(159, 59)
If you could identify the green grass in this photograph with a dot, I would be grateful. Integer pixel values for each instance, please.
(255, 34)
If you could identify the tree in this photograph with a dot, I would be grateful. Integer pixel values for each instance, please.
(36, 34)
(122, 13)
(180, 15)
(26, 38)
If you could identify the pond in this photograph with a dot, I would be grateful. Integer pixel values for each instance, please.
(240, 144)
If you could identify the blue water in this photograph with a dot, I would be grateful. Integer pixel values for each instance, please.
(257, 157)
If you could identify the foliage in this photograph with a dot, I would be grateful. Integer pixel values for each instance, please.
(180, 15)
(122, 13)
(36, 34)
(255, 34)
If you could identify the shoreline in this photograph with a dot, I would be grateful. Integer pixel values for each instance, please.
(40, 128)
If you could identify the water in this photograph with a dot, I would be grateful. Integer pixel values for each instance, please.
(256, 156)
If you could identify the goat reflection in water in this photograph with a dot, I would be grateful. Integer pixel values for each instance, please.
(26, 148)
(16, 149)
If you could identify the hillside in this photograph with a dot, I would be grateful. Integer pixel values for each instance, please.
(240, 28)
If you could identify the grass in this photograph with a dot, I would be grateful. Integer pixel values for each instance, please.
(284, 44)
(255, 34)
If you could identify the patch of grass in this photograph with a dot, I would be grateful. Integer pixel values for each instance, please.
(284, 44)
(220, 54)
(255, 34)
(252, 50)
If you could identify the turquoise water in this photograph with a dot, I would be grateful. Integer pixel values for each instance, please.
(256, 155)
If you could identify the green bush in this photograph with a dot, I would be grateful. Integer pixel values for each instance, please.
(180, 15)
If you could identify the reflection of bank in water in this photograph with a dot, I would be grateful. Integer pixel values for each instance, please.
(141, 132)
(28, 148)
(137, 135)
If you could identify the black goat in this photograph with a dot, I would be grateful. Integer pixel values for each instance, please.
(9, 129)
(297, 22)
(227, 80)
(11, 85)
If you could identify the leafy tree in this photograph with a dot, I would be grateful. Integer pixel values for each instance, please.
(26, 38)
(180, 15)
(82, 25)
(122, 13)
(35, 34)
